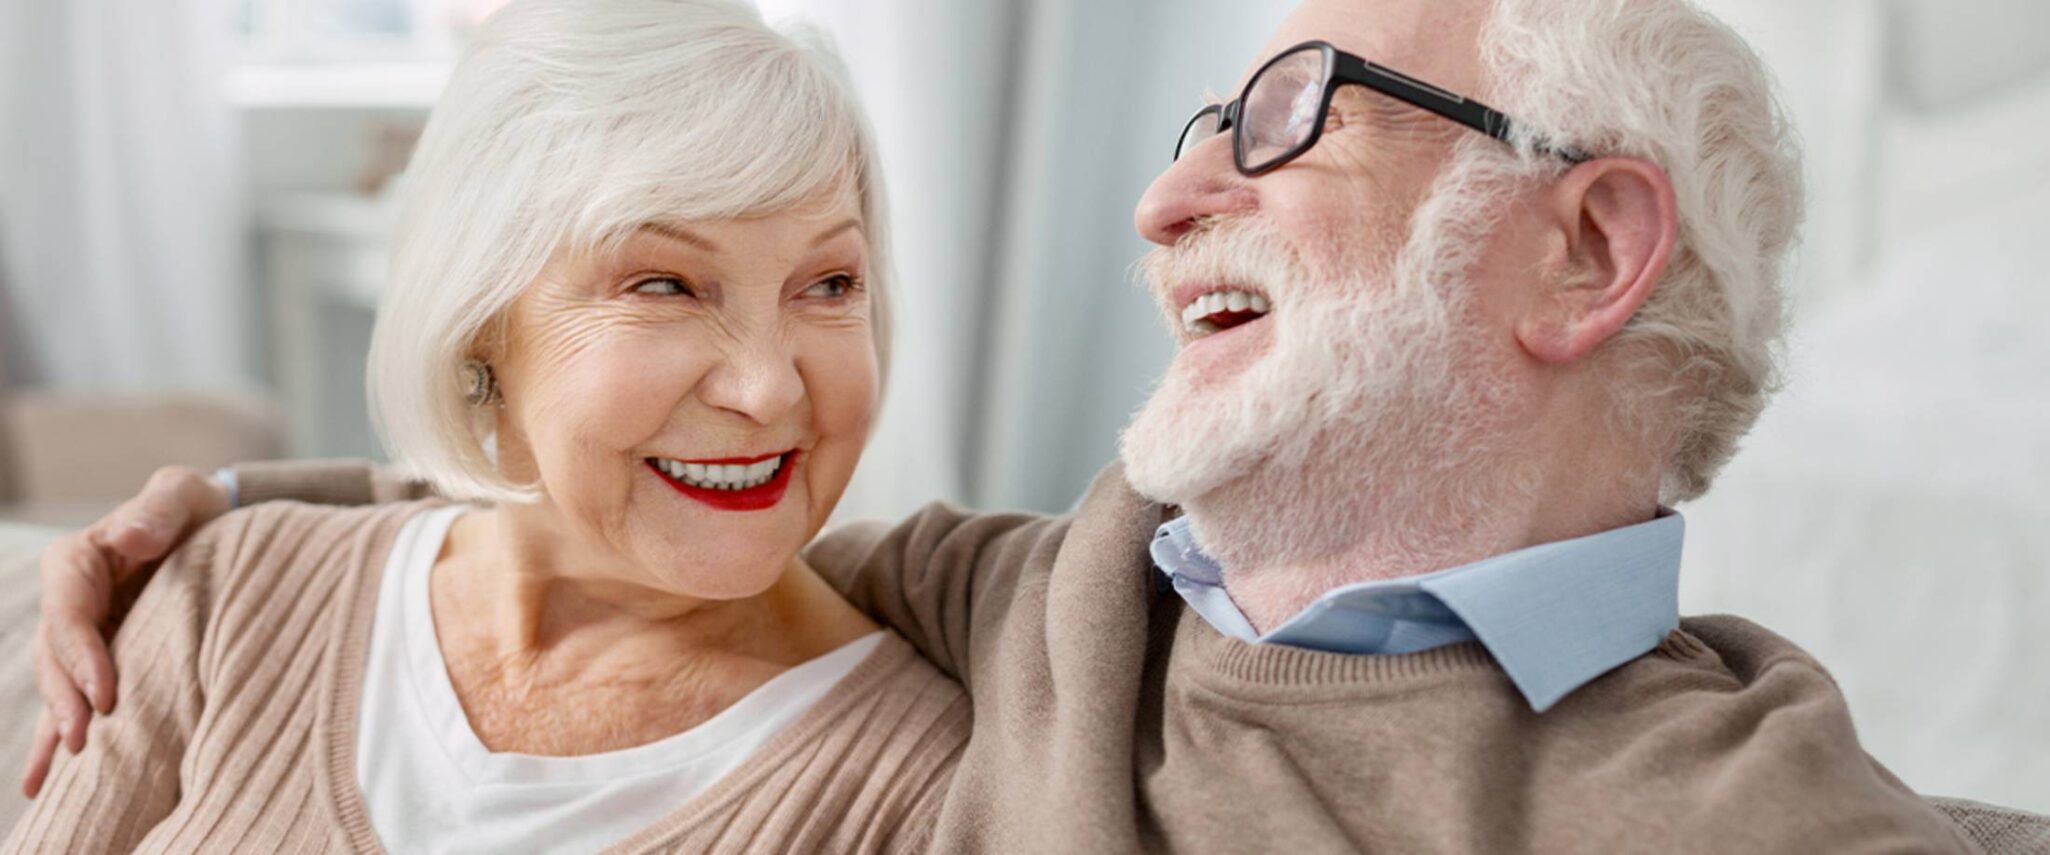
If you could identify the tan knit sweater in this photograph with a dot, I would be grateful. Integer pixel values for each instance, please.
(1110, 718)
(240, 671)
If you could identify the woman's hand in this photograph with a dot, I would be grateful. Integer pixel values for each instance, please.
(81, 573)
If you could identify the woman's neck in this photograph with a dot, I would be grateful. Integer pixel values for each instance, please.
(513, 589)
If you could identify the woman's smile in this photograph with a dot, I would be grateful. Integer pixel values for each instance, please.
(729, 484)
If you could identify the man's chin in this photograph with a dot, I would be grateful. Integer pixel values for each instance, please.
(1183, 445)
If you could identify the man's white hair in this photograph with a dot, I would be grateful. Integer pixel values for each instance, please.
(567, 125)
(1666, 81)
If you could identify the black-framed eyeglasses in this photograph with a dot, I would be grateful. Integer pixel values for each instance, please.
(1282, 111)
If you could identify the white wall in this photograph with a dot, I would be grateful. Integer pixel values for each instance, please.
(1948, 53)
(1890, 513)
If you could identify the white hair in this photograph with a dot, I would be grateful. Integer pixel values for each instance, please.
(1666, 81)
(567, 125)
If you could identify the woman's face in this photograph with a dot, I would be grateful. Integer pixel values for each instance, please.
(697, 400)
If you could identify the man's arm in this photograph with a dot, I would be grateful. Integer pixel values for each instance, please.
(1778, 763)
(323, 482)
(110, 795)
(86, 574)
(945, 578)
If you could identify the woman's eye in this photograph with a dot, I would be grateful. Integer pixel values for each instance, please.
(663, 287)
(832, 287)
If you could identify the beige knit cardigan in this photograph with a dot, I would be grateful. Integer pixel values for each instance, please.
(240, 673)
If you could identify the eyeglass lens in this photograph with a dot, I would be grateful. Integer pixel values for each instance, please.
(1280, 109)
(1201, 128)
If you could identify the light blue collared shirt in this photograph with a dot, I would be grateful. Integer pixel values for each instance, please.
(1555, 616)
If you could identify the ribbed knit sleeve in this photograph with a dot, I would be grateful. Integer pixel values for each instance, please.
(324, 482)
(109, 797)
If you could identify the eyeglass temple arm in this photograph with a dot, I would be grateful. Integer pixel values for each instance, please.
(1417, 93)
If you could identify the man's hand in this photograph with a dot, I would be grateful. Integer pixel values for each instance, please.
(81, 573)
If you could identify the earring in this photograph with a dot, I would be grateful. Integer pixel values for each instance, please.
(480, 389)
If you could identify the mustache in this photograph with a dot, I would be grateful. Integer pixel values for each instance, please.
(1234, 251)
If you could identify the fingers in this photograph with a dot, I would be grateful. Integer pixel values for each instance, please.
(61, 703)
(78, 591)
(40, 753)
(74, 672)
(145, 528)
(81, 651)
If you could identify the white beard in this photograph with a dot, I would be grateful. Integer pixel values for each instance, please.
(1373, 421)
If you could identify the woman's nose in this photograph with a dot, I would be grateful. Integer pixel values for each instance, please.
(1203, 183)
(759, 383)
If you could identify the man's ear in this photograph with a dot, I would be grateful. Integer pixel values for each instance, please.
(1618, 222)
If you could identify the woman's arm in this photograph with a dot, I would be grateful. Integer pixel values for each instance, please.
(107, 797)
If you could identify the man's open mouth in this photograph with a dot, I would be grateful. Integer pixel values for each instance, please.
(1218, 311)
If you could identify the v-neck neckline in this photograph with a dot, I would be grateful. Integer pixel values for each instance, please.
(341, 688)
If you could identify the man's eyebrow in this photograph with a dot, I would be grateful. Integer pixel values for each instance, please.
(680, 234)
(835, 231)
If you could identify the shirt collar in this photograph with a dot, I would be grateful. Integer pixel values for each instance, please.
(1555, 616)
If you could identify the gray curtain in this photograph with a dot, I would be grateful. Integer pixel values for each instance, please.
(120, 205)
(1018, 136)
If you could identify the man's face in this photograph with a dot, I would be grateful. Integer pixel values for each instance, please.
(1349, 199)
(1369, 354)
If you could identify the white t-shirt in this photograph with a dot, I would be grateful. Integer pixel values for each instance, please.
(431, 786)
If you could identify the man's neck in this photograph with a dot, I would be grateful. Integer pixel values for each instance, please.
(1281, 550)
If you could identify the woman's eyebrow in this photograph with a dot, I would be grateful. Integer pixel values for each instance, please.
(829, 234)
(681, 235)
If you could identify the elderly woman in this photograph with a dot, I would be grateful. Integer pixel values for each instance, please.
(636, 324)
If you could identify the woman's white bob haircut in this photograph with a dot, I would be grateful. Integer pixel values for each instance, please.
(568, 125)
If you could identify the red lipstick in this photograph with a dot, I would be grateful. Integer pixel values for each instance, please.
(759, 498)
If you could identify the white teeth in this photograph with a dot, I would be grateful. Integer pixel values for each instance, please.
(721, 476)
(1195, 315)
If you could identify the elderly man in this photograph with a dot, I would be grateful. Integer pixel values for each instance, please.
(1386, 564)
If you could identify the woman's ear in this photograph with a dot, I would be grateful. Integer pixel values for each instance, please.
(1618, 221)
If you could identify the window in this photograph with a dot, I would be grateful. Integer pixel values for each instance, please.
(363, 53)
(355, 31)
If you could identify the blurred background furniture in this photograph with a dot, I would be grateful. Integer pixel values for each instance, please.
(1998, 830)
(66, 459)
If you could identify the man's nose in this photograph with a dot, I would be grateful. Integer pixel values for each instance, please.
(1203, 183)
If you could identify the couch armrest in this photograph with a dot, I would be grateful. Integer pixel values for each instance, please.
(1998, 830)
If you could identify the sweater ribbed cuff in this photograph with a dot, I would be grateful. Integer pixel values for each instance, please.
(320, 482)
